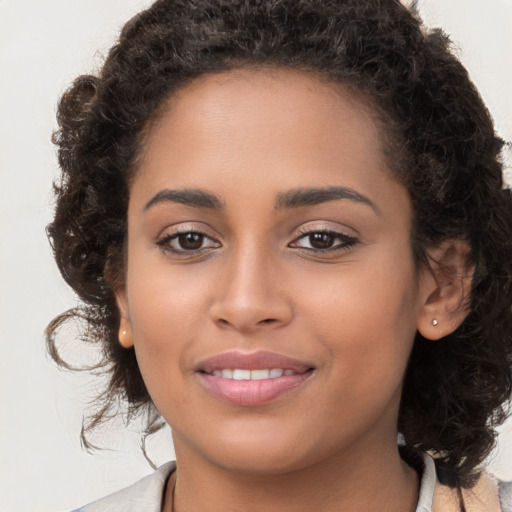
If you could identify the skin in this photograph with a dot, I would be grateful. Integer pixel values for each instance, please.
(257, 282)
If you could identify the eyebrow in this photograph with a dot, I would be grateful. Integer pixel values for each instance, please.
(312, 196)
(190, 197)
(296, 198)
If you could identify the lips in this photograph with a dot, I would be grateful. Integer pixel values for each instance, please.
(252, 379)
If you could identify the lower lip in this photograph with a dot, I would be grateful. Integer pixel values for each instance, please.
(252, 392)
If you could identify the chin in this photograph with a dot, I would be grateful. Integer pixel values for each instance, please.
(262, 454)
(260, 463)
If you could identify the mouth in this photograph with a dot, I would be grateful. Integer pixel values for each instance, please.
(249, 379)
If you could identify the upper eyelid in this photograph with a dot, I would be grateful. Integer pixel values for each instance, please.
(341, 234)
(184, 227)
(344, 236)
(308, 229)
(171, 233)
(175, 234)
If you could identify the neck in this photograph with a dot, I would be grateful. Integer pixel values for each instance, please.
(365, 480)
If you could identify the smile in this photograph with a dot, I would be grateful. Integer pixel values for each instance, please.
(252, 379)
(249, 391)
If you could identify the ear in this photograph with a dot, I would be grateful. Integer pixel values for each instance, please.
(445, 287)
(125, 327)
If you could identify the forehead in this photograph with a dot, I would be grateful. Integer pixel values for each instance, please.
(271, 125)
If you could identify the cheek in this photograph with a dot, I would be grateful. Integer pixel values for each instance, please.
(365, 316)
(168, 312)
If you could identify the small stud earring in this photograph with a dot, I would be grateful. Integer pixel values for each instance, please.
(434, 322)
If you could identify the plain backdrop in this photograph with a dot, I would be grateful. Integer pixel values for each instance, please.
(43, 46)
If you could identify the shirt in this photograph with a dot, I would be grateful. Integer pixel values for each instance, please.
(147, 494)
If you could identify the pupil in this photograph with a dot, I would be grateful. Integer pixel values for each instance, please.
(191, 240)
(321, 240)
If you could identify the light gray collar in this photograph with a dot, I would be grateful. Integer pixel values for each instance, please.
(427, 485)
(147, 494)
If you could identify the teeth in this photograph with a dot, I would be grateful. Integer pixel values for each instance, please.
(238, 374)
(260, 374)
(242, 374)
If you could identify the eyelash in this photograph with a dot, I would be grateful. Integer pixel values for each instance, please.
(347, 241)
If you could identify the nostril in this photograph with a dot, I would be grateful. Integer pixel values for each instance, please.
(267, 321)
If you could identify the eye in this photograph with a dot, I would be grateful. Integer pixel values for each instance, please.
(324, 241)
(187, 242)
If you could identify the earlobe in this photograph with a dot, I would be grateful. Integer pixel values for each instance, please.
(445, 289)
(125, 334)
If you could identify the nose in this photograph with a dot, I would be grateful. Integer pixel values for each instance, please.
(251, 295)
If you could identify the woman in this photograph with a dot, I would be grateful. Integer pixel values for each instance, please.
(287, 224)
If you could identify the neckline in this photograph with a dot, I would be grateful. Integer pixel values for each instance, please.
(424, 465)
(421, 462)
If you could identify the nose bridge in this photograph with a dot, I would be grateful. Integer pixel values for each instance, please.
(251, 294)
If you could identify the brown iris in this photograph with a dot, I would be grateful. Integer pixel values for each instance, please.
(190, 241)
(321, 240)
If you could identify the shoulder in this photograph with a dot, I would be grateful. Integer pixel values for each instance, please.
(146, 494)
(487, 495)
(505, 495)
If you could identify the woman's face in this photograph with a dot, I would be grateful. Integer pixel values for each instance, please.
(268, 241)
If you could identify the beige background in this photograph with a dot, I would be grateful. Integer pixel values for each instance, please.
(43, 46)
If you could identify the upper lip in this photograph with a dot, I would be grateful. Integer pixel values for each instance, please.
(252, 361)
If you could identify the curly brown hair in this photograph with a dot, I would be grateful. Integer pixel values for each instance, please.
(456, 391)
